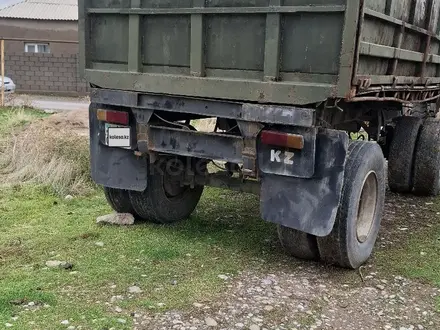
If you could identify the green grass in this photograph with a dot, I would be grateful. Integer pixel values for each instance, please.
(415, 256)
(362, 136)
(225, 236)
(13, 118)
(409, 261)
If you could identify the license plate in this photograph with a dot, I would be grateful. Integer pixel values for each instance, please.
(117, 136)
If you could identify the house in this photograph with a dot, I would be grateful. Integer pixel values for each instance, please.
(41, 45)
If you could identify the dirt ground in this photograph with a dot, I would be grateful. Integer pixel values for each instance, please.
(76, 122)
(313, 296)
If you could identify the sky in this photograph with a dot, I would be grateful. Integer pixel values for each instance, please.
(4, 3)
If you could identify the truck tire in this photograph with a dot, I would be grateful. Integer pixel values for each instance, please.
(401, 156)
(298, 244)
(357, 224)
(427, 160)
(165, 204)
(386, 147)
(119, 200)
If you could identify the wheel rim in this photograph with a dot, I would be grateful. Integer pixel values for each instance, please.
(367, 207)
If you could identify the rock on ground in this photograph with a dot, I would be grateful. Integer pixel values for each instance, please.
(134, 289)
(58, 264)
(121, 219)
(210, 322)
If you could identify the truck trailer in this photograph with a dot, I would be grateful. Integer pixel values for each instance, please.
(318, 106)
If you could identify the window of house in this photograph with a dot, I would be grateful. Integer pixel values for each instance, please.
(36, 48)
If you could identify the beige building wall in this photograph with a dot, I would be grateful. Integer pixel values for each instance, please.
(56, 72)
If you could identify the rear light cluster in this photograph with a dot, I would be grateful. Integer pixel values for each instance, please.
(293, 141)
(114, 117)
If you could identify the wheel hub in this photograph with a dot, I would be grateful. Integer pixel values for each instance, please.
(367, 207)
(171, 187)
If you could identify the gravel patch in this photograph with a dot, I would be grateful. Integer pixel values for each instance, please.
(308, 298)
(312, 296)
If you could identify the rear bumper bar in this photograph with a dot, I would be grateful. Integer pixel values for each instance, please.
(248, 112)
(191, 144)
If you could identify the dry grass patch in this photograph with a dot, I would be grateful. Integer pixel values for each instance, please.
(52, 151)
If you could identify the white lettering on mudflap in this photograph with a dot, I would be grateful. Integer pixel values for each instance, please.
(288, 158)
(277, 156)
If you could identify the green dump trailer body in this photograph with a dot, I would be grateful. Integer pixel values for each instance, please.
(287, 82)
(268, 51)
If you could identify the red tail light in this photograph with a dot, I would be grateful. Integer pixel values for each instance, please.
(114, 117)
(279, 139)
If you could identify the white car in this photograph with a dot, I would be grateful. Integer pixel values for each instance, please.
(9, 85)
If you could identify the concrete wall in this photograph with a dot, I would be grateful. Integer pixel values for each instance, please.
(56, 72)
(45, 73)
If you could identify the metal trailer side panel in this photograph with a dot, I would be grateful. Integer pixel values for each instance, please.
(268, 51)
(399, 44)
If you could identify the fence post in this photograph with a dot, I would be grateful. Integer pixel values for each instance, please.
(2, 55)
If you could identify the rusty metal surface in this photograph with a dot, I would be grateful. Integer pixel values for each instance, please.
(399, 45)
(401, 94)
(191, 143)
(271, 114)
(250, 132)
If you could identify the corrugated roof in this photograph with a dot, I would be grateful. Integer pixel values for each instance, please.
(60, 10)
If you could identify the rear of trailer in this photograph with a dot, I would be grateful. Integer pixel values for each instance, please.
(289, 83)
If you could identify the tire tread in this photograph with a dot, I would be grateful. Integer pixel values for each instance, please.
(335, 249)
(427, 160)
(298, 244)
(402, 154)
